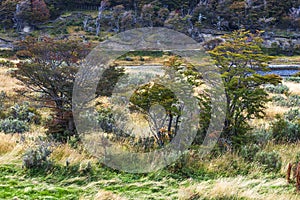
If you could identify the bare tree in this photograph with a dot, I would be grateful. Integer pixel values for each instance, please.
(101, 8)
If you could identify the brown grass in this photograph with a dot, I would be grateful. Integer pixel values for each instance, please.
(107, 195)
(287, 60)
(238, 187)
(10, 148)
(7, 83)
(294, 87)
(65, 152)
(7, 143)
(272, 110)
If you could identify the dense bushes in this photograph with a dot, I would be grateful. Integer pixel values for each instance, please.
(13, 126)
(248, 152)
(291, 100)
(284, 130)
(293, 79)
(277, 89)
(25, 112)
(270, 160)
(17, 118)
(38, 157)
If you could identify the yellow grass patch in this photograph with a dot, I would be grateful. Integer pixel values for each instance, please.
(7, 83)
(65, 152)
(239, 187)
(294, 87)
(272, 110)
(7, 143)
(10, 148)
(107, 195)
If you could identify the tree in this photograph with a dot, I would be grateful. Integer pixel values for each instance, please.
(31, 12)
(152, 94)
(165, 120)
(7, 9)
(49, 69)
(117, 13)
(101, 8)
(40, 12)
(238, 58)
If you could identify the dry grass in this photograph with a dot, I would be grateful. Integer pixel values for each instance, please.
(107, 195)
(10, 148)
(7, 83)
(287, 60)
(64, 152)
(294, 87)
(239, 187)
(272, 110)
(287, 153)
(7, 143)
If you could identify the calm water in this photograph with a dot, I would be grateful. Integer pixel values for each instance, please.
(282, 70)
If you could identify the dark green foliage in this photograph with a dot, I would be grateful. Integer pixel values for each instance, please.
(151, 94)
(248, 152)
(237, 58)
(7, 54)
(13, 126)
(285, 131)
(271, 161)
(109, 79)
(36, 158)
(3, 98)
(105, 119)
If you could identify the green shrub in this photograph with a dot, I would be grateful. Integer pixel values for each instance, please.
(24, 112)
(294, 101)
(261, 136)
(270, 160)
(13, 126)
(292, 114)
(290, 101)
(297, 74)
(248, 152)
(297, 157)
(293, 79)
(279, 100)
(277, 89)
(7, 63)
(36, 158)
(285, 131)
(3, 98)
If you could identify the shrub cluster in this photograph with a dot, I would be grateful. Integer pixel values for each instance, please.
(277, 89)
(38, 157)
(270, 160)
(18, 118)
(284, 130)
(249, 152)
(293, 79)
(291, 101)
(13, 126)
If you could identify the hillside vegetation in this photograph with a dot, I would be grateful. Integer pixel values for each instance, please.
(43, 154)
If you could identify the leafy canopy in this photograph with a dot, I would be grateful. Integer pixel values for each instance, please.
(238, 57)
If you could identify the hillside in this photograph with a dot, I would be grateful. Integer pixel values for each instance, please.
(215, 124)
